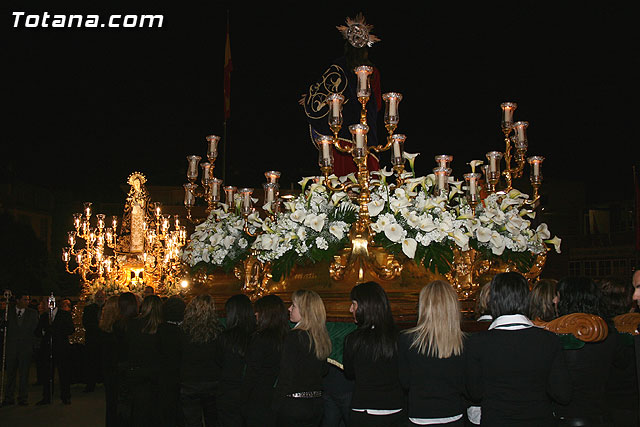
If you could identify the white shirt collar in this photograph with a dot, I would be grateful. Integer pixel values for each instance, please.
(511, 322)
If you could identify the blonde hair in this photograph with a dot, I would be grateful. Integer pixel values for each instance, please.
(313, 320)
(110, 314)
(438, 332)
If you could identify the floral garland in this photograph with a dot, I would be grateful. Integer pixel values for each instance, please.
(314, 227)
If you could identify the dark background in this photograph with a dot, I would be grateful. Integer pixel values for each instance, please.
(86, 107)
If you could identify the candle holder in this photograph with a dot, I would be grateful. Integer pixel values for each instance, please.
(271, 198)
(391, 115)
(473, 189)
(272, 176)
(359, 137)
(363, 89)
(442, 181)
(444, 160)
(335, 102)
(210, 190)
(397, 156)
(535, 163)
(493, 169)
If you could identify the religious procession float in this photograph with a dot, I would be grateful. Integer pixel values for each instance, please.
(388, 225)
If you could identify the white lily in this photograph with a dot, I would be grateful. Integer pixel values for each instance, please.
(412, 158)
(298, 216)
(375, 207)
(556, 241)
(303, 182)
(337, 231)
(461, 239)
(543, 231)
(474, 164)
(315, 222)
(483, 234)
(394, 232)
(351, 177)
(409, 246)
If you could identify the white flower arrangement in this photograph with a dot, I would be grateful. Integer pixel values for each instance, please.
(313, 227)
(427, 227)
(220, 241)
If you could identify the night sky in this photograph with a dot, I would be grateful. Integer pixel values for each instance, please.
(86, 107)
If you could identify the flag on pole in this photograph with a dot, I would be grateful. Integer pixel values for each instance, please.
(228, 67)
(636, 179)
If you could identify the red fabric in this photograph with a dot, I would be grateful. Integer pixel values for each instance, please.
(343, 163)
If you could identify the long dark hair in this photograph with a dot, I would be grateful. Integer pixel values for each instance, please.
(273, 318)
(509, 294)
(241, 322)
(617, 297)
(578, 295)
(128, 309)
(151, 313)
(376, 333)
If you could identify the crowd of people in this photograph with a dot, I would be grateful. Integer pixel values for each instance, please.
(171, 362)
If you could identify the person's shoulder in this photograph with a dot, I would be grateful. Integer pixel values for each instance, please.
(405, 338)
(32, 311)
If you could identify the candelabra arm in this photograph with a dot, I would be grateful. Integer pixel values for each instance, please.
(385, 147)
(339, 147)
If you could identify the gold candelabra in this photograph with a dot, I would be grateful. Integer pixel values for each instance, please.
(515, 136)
(146, 250)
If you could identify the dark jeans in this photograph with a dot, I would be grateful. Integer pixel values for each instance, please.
(363, 419)
(199, 400)
(300, 412)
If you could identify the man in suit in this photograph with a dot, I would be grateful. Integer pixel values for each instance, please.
(21, 324)
(54, 327)
(90, 320)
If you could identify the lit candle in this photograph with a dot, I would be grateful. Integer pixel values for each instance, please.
(443, 160)
(212, 146)
(229, 193)
(87, 209)
(114, 223)
(189, 198)
(269, 192)
(192, 167)
(507, 112)
(65, 254)
(77, 217)
(206, 173)
(363, 88)
(100, 221)
(359, 133)
(494, 159)
(247, 203)
(536, 163)
(521, 132)
(215, 185)
(272, 176)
